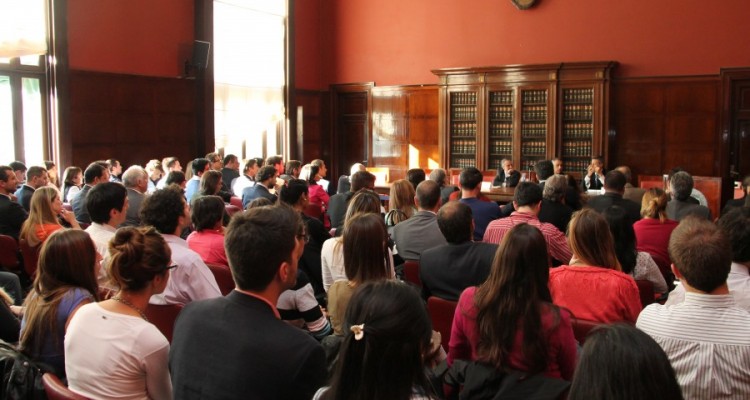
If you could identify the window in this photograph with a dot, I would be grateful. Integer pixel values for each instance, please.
(249, 76)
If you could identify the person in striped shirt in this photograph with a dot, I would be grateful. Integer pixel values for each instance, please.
(706, 337)
(527, 201)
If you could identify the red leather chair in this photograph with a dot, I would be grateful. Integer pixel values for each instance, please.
(163, 317)
(223, 276)
(232, 209)
(411, 273)
(30, 258)
(235, 201)
(56, 390)
(582, 327)
(646, 290)
(441, 313)
(9, 253)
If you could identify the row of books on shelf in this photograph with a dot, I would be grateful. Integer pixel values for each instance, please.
(578, 112)
(578, 131)
(503, 113)
(578, 95)
(462, 162)
(463, 147)
(464, 112)
(535, 113)
(503, 97)
(534, 96)
(576, 149)
(501, 129)
(534, 148)
(534, 130)
(501, 147)
(576, 165)
(464, 129)
(463, 98)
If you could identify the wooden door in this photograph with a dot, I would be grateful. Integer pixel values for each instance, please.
(734, 157)
(351, 138)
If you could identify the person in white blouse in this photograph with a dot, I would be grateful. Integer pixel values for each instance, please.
(112, 350)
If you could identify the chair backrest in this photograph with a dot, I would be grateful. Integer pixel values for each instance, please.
(56, 390)
(223, 276)
(30, 257)
(441, 313)
(9, 253)
(411, 272)
(314, 210)
(163, 317)
(582, 327)
(232, 209)
(235, 201)
(646, 290)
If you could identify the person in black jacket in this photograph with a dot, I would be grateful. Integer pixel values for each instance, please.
(506, 175)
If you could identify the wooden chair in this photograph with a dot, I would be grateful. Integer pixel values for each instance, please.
(30, 257)
(441, 313)
(582, 327)
(223, 276)
(646, 290)
(56, 390)
(411, 273)
(163, 317)
(9, 253)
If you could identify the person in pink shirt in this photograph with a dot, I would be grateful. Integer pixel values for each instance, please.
(208, 238)
(593, 287)
(509, 321)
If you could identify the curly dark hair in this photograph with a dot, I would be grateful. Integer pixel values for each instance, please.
(163, 209)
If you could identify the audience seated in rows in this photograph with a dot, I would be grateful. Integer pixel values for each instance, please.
(207, 214)
(483, 211)
(446, 270)
(36, 177)
(168, 212)
(265, 179)
(637, 264)
(96, 173)
(509, 321)
(259, 356)
(439, 176)
(420, 232)
(614, 188)
(707, 336)
(527, 200)
(111, 349)
(12, 214)
(592, 286)
(680, 187)
(46, 205)
(65, 280)
(339, 203)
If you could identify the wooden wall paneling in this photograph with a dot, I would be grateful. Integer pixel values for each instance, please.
(423, 126)
(131, 118)
(352, 125)
(312, 123)
(390, 136)
(734, 148)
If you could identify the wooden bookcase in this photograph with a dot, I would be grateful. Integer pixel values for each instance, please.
(525, 113)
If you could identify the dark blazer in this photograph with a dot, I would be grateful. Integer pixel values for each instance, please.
(555, 213)
(253, 192)
(483, 212)
(234, 347)
(12, 216)
(79, 205)
(511, 181)
(447, 270)
(23, 196)
(601, 202)
(344, 184)
(633, 193)
(678, 210)
(227, 176)
(337, 209)
(133, 215)
(417, 234)
(310, 261)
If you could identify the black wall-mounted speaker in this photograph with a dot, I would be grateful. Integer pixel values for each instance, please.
(201, 50)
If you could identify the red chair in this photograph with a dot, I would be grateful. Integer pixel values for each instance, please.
(582, 327)
(411, 273)
(223, 276)
(9, 253)
(314, 210)
(646, 290)
(30, 258)
(441, 313)
(56, 390)
(235, 201)
(232, 209)
(163, 317)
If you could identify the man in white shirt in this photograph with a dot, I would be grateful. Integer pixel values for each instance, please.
(247, 178)
(706, 337)
(736, 226)
(107, 204)
(168, 212)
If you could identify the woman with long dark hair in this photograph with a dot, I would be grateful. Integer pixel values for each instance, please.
(509, 321)
(112, 350)
(72, 182)
(65, 280)
(593, 287)
(386, 337)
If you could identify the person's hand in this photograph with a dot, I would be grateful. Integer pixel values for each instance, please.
(68, 216)
(17, 310)
(436, 353)
(590, 169)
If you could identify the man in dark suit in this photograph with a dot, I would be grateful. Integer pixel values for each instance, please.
(420, 232)
(614, 187)
(12, 214)
(97, 172)
(236, 347)
(265, 179)
(554, 210)
(230, 171)
(682, 205)
(506, 175)
(36, 177)
(339, 202)
(594, 179)
(447, 270)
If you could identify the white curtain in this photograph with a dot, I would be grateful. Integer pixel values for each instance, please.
(23, 28)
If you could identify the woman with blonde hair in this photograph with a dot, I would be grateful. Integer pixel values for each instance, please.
(112, 351)
(65, 280)
(46, 206)
(400, 203)
(652, 232)
(593, 287)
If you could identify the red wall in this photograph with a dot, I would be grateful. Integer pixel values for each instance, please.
(140, 37)
(398, 42)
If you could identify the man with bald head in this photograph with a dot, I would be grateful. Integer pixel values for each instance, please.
(421, 231)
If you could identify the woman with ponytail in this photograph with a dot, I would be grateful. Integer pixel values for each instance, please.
(112, 350)
(653, 231)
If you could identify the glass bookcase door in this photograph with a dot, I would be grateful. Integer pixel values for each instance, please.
(577, 127)
(463, 128)
(534, 126)
(500, 123)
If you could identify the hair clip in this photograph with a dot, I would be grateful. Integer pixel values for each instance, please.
(359, 331)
